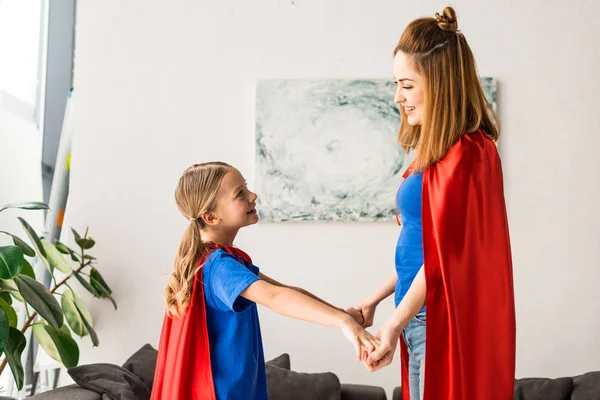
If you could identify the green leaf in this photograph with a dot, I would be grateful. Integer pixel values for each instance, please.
(74, 256)
(62, 248)
(13, 351)
(85, 244)
(46, 341)
(88, 257)
(27, 250)
(11, 261)
(88, 327)
(75, 234)
(6, 297)
(30, 205)
(10, 286)
(86, 285)
(41, 300)
(55, 257)
(103, 292)
(10, 313)
(35, 239)
(27, 269)
(75, 312)
(4, 328)
(96, 275)
(66, 346)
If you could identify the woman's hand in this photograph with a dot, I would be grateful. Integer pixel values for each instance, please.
(364, 313)
(384, 354)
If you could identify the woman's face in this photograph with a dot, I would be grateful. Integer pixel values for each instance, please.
(409, 94)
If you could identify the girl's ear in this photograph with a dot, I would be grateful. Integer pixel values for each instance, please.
(210, 218)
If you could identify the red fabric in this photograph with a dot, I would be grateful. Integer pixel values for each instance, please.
(183, 369)
(470, 339)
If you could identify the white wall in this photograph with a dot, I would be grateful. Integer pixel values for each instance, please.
(19, 47)
(161, 87)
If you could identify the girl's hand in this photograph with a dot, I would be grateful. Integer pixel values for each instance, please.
(384, 354)
(364, 343)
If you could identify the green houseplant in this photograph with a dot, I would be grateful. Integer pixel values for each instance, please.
(54, 313)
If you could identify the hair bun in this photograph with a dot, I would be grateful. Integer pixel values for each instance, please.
(447, 21)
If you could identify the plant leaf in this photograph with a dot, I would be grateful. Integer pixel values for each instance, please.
(41, 300)
(27, 250)
(10, 286)
(88, 257)
(46, 341)
(11, 314)
(13, 351)
(4, 329)
(86, 285)
(35, 239)
(11, 261)
(62, 248)
(73, 316)
(30, 205)
(96, 275)
(27, 269)
(6, 297)
(103, 292)
(55, 257)
(75, 234)
(66, 346)
(85, 244)
(88, 327)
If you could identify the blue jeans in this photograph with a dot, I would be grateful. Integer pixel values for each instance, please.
(414, 337)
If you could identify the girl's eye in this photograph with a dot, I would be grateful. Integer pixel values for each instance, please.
(240, 194)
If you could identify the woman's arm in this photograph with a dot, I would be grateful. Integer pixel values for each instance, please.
(367, 307)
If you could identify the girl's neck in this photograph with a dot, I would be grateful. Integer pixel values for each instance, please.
(218, 237)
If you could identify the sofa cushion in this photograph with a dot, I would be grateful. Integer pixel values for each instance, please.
(283, 384)
(111, 380)
(586, 386)
(543, 389)
(283, 361)
(143, 363)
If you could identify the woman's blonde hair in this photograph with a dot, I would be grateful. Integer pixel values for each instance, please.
(196, 194)
(453, 96)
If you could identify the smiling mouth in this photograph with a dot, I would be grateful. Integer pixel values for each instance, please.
(409, 108)
(253, 211)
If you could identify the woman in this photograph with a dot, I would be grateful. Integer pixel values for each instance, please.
(453, 253)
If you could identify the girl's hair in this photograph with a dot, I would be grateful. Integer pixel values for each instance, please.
(454, 100)
(196, 194)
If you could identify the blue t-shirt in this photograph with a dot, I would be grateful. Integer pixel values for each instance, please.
(236, 350)
(409, 250)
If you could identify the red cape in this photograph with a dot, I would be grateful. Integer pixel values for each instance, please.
(470, 339)
(183, 369)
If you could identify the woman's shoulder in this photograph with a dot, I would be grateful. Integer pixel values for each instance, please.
(469, 152)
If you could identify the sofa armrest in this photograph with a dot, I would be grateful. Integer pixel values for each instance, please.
(397, 395)
(362, 392)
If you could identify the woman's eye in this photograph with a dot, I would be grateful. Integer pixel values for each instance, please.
(408, 87)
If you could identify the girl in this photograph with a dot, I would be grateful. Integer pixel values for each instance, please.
(211, 346)
(453, 253)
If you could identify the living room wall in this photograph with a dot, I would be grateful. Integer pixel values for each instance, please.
(159, 87)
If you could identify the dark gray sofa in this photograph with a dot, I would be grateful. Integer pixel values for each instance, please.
(580, 387)
(134, 379)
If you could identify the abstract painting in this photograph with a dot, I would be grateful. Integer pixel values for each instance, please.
(326, 150)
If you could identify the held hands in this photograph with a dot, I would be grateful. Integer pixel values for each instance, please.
(384, 354)
(364, 343)
(363, 313)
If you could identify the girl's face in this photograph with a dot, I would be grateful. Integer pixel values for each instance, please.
(235, 203)
(410, 91)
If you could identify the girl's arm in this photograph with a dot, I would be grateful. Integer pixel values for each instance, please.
(297, 289)
(290, 303)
